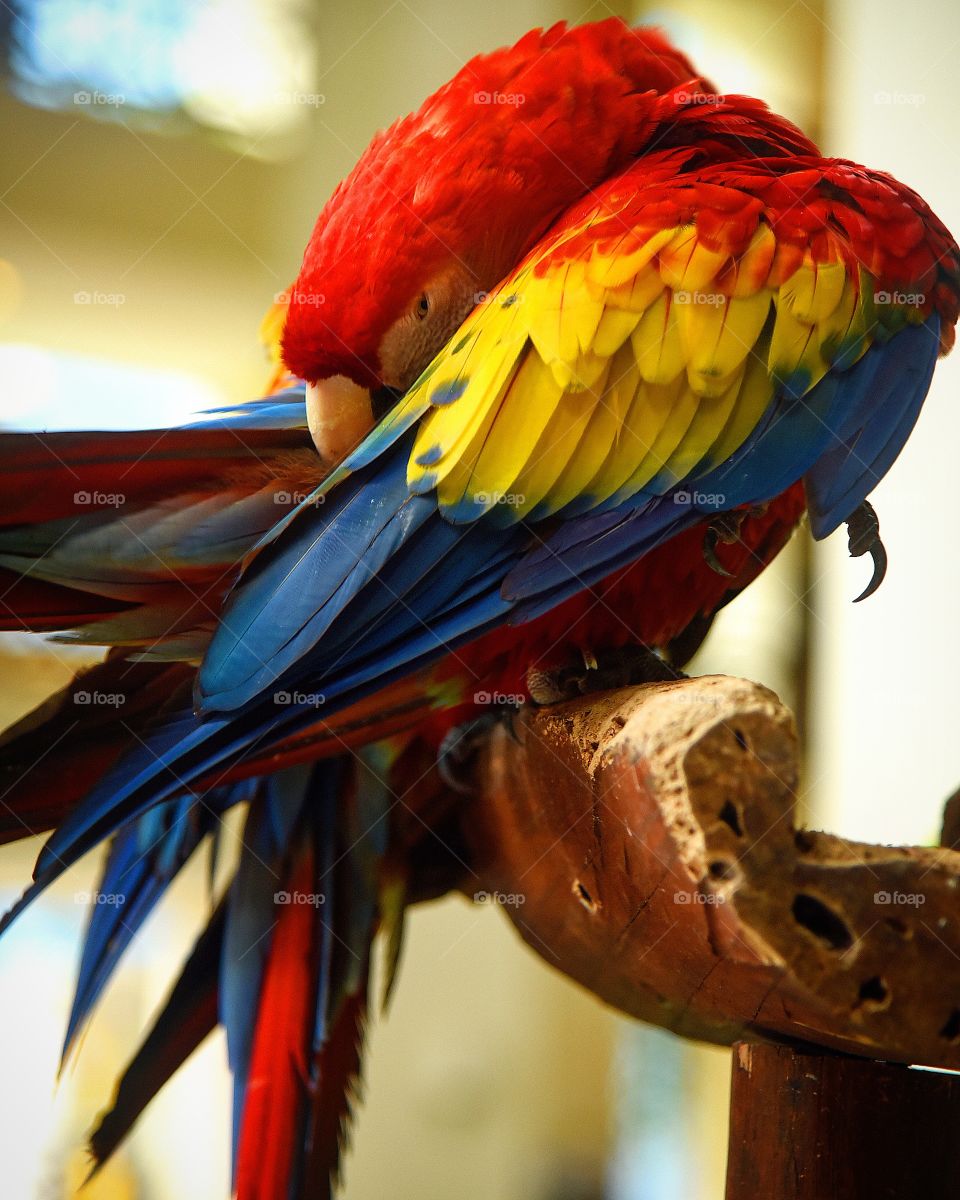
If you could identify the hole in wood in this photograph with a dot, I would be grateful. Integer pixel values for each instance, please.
(722, 868)
(951, 1031)
(730, 816)
(873, 992)
(821, 921)
(804, 841)
(584, 897)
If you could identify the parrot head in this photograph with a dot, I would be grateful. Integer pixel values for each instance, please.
(444, 203)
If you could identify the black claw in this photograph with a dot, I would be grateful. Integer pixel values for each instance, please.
(710, 540)
(863, 529)
(879, 556)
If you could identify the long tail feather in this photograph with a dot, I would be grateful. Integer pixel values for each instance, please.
(143, 861)
(306, 1050)
(87, 724)
(189, 1014)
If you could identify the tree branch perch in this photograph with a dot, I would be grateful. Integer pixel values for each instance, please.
(650, 832)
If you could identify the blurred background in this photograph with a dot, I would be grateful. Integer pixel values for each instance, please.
(163, 162)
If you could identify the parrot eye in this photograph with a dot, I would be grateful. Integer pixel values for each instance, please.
(423, 306)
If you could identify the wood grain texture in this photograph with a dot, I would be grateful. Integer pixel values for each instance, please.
(814, 1126)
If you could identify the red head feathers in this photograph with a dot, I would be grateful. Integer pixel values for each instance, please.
(446, 200)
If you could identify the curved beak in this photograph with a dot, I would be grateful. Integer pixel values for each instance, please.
(339, 414)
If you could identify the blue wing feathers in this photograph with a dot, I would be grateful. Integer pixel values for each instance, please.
(373, 583)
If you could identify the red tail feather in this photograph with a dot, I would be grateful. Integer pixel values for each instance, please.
(276, 1092)
(41, 607)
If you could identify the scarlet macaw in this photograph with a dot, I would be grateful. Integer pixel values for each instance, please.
(557, 351)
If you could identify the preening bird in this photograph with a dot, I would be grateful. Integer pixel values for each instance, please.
(572, 350)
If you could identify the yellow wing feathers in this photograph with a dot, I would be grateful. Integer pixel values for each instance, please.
(271, 331)
(626, 366)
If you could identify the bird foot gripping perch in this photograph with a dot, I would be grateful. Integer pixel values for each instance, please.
(863, 529)
(609, 669)
(724, 529)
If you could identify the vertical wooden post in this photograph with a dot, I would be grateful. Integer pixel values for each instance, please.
(811, 1125)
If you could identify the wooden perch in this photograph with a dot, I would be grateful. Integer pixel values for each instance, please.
(813, 1126)
(642, 841)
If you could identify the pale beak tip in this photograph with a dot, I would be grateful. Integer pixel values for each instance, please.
(339, 415)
